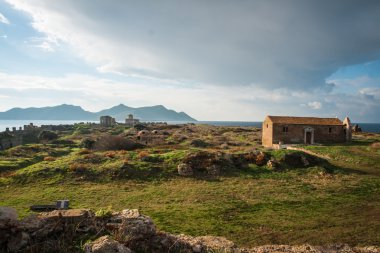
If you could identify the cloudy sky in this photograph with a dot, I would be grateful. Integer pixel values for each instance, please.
(214, 59)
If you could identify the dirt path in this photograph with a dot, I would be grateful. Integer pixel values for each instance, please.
(310, 152)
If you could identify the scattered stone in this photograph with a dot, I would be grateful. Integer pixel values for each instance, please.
(56, 231)
(105, 244)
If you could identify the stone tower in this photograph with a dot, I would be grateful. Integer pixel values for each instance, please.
(348, 128)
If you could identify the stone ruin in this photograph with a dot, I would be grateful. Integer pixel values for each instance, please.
(120, 232)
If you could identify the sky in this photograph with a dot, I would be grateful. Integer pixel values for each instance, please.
(215, 59)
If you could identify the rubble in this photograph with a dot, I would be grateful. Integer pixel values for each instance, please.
(123, 232)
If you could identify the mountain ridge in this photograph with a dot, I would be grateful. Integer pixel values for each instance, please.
(74, 112)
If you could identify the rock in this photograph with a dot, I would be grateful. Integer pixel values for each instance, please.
(305, 161)
(105, 244)
(18, 241)
(185, 243)
(216, 244)
(8, 213)
(185, 170)
(273, 164)
(130, 213)
(213, 170)
(131, 225)
(335, 248)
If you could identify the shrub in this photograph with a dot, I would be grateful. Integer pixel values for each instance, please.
(79, 167)
(104, 213)
(87, 143)
(110, 154)
(199, 143)
(84, 151)
(47, 136)
(143, 154)
(110, 142)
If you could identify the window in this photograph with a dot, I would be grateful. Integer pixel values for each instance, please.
(330, 130)
(267, 125)
(285, 129)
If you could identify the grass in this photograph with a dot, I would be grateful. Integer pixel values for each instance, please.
(337, 201)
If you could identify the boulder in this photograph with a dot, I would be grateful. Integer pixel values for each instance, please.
(131, 226)
(18, 241)
(105, 244)
(8, 214)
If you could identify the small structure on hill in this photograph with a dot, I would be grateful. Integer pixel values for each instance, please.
(130, 121)
(107, 121)
(279, 130)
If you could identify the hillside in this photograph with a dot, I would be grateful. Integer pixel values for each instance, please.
(71, 112)
(206, 180)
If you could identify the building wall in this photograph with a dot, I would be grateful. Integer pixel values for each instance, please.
(295, 134)
(107, 121)
(267, 133)
(10, 142)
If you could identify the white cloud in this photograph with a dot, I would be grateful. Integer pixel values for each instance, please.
(277, 44)
(315, 105)
(3, 19)
(244, 103)
(373, 92)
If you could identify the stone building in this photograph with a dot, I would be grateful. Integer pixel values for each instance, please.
(8, 140)
(130, 121)
(279, 130)
(107, 121)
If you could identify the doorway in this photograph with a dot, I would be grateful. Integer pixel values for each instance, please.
(308, 137)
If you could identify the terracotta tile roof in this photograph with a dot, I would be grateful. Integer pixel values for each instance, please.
(305, 120)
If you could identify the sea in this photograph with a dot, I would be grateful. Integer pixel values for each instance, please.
(366, 127)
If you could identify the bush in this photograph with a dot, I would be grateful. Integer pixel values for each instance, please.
(104, 213)
(199, 143)
(110, 154)
(84, 151)
(46, 135)
(139, 127)
(143, 154)
(87, 143)
(110, 142)
(79, 167)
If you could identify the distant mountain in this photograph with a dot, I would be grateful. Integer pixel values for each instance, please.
(71, 112)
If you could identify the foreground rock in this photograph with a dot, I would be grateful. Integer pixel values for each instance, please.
(336, 248)
(120, 232)
(105, 244)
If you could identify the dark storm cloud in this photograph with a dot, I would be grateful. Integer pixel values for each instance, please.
(272, 43)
